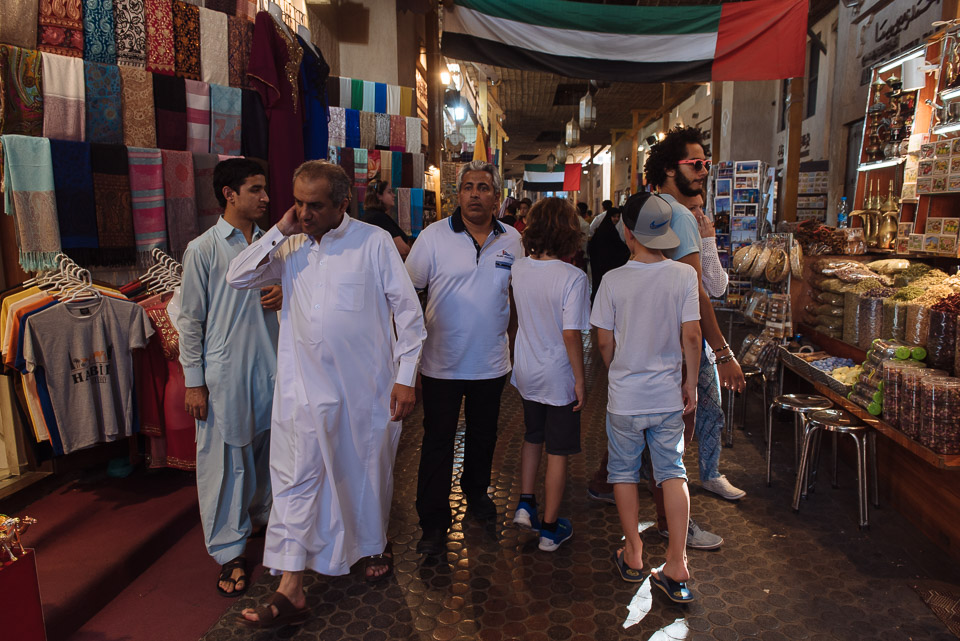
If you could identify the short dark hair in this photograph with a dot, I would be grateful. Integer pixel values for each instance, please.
(526, 201)
(512, 208)
(582, 206)
(668, 153)
(232, 173)
(552, 228)
(337, 180)
(607, 205)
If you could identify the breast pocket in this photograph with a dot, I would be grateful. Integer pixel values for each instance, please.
(350, 290)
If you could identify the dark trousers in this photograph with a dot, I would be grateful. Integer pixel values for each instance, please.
(441, 413)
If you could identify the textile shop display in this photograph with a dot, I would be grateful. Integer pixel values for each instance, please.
(198, 116)
(208, 209)
(225, 120)
(19, 24)
(29, 197)
(99, 38)
(159, 19)
(147, 200)
(139, 114)
(64, 111)
(76, 207)
(60, 27)
(111, 192)
(130, 28)
(104, 113)
(254, 137)
(186, 39)
(181, 204)
(21, 97)
(214, 47)
(314, 72)
(170, 101)
(239, 41)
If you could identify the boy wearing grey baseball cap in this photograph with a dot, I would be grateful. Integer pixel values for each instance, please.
(647, 317)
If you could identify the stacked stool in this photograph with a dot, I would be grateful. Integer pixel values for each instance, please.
(751, 373)
(800, 405)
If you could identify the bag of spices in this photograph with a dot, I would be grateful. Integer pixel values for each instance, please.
(911, 406)
(918, 324)
(940, 424)
(851, 320)
(942, 337)
(869, 320)
(891, 389)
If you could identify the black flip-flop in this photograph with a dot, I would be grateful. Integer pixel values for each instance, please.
(226, 574)
(379, 560)
(287, 614)
(676, 591)
(627, 573)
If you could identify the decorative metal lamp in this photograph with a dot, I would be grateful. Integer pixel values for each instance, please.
(588, 112)
(551, 162)
(561, 153)
(573, 133)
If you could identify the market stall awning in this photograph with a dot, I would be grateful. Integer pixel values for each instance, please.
(561, 178)
(754, 40)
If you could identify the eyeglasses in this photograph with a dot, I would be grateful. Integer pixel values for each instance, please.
(698, 165)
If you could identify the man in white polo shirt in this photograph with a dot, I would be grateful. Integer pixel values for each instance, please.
(464, 265)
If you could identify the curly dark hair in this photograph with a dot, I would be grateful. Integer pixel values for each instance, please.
(667, 153)
(552, 228)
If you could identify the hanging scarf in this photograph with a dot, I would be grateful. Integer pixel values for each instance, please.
(76, 207)
(406, 173)
(60, 27)
(139, 120)
(373, 164)
(21, 87)
(368, 129)
(181, 205)
(356, 94)
(208, 209)
(386, 167)
(104, 115)
(416, 211)
(254, 134)
(359, 167)
(130, 27)
(413, 135)
(239, 42)
(170, 105)
(403, 209)
(396, 169)
(383, 131)
(418, 170)
(369, 96)
(228, 7)
(347, 161)
(146, 191)
(352, 117)
(407, 108)
(214, 47)
(225, 113)
(338, 127)
(333, 154)
(29, 197)
(111, 190)
(333, 90)
(186, 39)
(99, 43)
(160, 54)
(346, 93)
(398, 133)
(393, 100)
(63, 97)
(380, 98)
(19, 24)
(198, 116)
(247, 9)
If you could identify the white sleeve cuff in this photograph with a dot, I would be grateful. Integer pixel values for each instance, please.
(407, 373)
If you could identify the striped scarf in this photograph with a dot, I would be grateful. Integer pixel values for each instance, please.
(146, 190)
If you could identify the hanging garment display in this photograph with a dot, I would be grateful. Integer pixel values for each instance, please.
(139, 119)
(407, 109)
(373, 164)
(352, 117)
(214, 47)
(386, 167)
(356, 94)
(338, 127)
(380, 98)
(369, 96)
(225, 120)
(406, 174)
(418, 170)
(63, 97)
(186, 39)
(159, 20)
(146, 199)
(347, 162)
(398, 133)
(255, 134)
(76, 207)
(179, 195)
(228, 7)
(19, 24)
(359, 167)
(314, 72)
(393, 100)
(239, 41)
(29, 196)
(111, 191)
(21, 91)
(383, 131)
(413, 135)
(60, 27)
(104, 113)
(247, 9)
(208, 209)
(333, 91)
(130, 27)
(198, 116)
(99, 38)
(396, 169)
(346, 93)
(403, 209)
(368, 130)
(170, 106)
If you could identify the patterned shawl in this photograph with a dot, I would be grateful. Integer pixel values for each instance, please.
(111, 190)
(19, 24)
(30, 198)
(359, 167)
(146, 190)
(139, 120)
(130, 26)
(198, 116)
(418, 170)
(76, 207)
(398, 133)
(403, 209)
(368, 129)
(21, 97)
(413, 135)
(239, 42)
(104, 115)
(60, 25)
(247, 9)
(170, 105)
(186, 39)
(254, 134)
(225, 116)
(63, 97)
(99, 39)
(160, 54)
(338, 127)
(182, 226)
(353, 127)
(214, 50)
(383, 131)
(208, 209)
(373, 164)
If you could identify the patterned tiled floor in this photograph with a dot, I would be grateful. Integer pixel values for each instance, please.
(778, 576)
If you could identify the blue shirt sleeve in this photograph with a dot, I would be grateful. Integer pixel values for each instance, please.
(684, 224)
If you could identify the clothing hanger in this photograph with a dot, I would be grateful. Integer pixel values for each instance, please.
(304, 33)
(85, 289)
(277, 13)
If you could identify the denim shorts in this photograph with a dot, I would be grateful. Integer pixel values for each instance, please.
(628, 435)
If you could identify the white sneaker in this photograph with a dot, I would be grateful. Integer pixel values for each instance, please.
(723, 487)
(697, 538)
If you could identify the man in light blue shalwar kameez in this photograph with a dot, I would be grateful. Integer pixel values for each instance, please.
(228, 349)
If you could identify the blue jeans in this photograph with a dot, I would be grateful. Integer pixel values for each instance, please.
(709, 424)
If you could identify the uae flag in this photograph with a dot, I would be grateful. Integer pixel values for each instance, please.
(562, 178)
(753, 40)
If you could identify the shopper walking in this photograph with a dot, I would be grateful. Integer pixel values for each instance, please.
(523, 207)
(553, 306)
(464, 265)
(344, 384)
(606, 249)
(228, 349)
(379, 200)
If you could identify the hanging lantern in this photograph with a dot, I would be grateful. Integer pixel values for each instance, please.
(588, 112)
(573, 133)
(561, 153)
(551, 162)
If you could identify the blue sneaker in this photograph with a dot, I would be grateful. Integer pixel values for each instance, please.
(550, 541)
(525, 517)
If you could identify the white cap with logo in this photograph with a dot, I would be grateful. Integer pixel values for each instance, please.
(647, 216)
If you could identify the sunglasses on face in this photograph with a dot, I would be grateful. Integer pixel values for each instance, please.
(698, 165)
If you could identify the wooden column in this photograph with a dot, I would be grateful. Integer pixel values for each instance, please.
(434, 91)
(791, 174)
(716, 91)
(634, 160)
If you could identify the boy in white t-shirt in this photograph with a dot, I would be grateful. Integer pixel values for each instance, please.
(553, 306)
(647, 318)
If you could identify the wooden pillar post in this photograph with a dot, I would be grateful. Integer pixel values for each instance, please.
(634, 159)
(613, 162)
(791, 174)
(434, 90)
(716, 91)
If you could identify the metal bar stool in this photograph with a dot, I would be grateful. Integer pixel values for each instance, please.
(838, 423)
(800, 405)
(751, 373)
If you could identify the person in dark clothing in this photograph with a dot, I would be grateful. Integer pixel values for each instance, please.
(510, 218)
(606, 249)
(377, 204)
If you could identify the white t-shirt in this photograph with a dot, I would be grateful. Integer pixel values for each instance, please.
(645, 304)
(551, 296)
(468, 298)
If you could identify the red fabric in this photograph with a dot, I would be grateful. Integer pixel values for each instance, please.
(761, 40)
(571, 177)
(20, 591)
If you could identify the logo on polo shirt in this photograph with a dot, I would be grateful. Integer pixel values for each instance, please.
(504, 259)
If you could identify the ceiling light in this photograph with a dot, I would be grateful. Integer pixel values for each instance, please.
(551, 162)
(573, 133)
(445, 78)
(661, 136)
(561, 153)
(588, 112)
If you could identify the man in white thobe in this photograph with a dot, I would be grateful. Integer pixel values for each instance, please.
(344, 383)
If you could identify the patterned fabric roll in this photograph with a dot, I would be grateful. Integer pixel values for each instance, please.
(418, 170)
(99, 38)
(179, 195)
(170, 106)
(111, 191)
(403, 209)
(414, 129)
(406, 102)
(139, 119)
(393, 100)
(208, 209)
(356, 94)
(239, 41)
(76, 207)
(369, 96)
(130, 27)
(21, 91)
(19, 24)
(373, 164)
(186, 39)
(338, 127)
(63, 97)
(346, 93)
(352, 117)
(29, 197)
(255, 131)
(406, 173)
(368, 129)
(396, 169)
(398, 133)
(383, 131)
(214, 47)
(225, 117)
(360, 166)
(60, 27)
(333, 90)
(160, 54)
(380, 98)
(146, 191)
(198, 116)
(104, 114)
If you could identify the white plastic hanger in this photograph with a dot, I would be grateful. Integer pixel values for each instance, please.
(304, 33)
